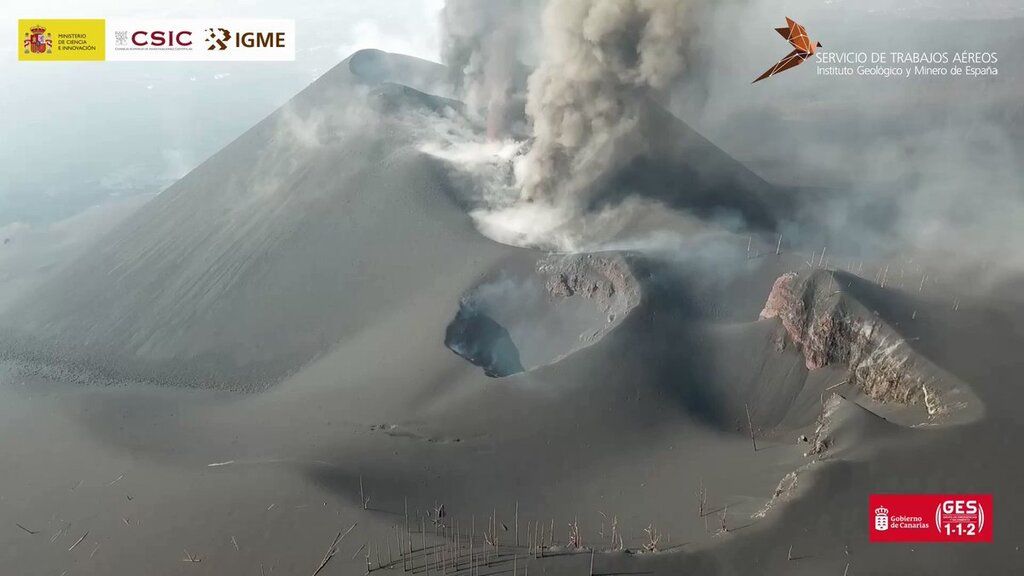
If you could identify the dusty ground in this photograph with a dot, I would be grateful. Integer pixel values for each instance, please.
(207, 388)
(129, 467)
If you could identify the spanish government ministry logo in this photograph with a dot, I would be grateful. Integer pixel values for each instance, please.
(38, 41)
(157, 39)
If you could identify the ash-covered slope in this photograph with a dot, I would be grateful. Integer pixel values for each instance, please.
(312, 225)
(686, 171)
(315, 224)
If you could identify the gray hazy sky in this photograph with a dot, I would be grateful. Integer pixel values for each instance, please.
(75, 134)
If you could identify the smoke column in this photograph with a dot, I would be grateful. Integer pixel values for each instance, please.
(481, 38)
(601, 61)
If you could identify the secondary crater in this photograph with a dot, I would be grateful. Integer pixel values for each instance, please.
(521, 318)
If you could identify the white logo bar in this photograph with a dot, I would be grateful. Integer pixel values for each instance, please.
(213, 39)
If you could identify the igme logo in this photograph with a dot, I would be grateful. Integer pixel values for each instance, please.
(222, 39)
(217, 38)
(206, 39)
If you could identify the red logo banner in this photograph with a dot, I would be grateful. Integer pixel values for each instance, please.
(930, 517)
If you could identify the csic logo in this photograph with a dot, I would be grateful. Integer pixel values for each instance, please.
(38, 41)
(217, 38)
(155, 38)
(209, 40)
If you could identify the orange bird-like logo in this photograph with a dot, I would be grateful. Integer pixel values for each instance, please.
(803, 46)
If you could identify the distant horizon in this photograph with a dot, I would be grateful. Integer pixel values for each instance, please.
(135, 128)
(150, 123)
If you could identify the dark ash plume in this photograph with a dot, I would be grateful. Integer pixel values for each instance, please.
(480, 43)
(601, 61)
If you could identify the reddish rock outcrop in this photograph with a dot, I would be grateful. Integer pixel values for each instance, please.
(821, 330)
(816, 319)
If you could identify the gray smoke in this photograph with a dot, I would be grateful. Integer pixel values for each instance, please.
(480, 45)
(598, 66)
(601, 61)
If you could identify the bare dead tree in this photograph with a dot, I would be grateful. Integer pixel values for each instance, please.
(750, 428)
(363, 500)
(192, 558)
(390, 557)
(702, 498)
(529, 538)
(491, 539)
(517, 523)
(333, 549)
(423, 535)
(79, 541)
(439, 517)
(652, 538)
(401, 548)
(494, 530)
(575, 541)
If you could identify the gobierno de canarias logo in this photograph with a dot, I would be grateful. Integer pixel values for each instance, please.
(50, 39)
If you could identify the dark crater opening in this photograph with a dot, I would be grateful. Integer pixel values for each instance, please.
(483, 342)
(530, 315)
